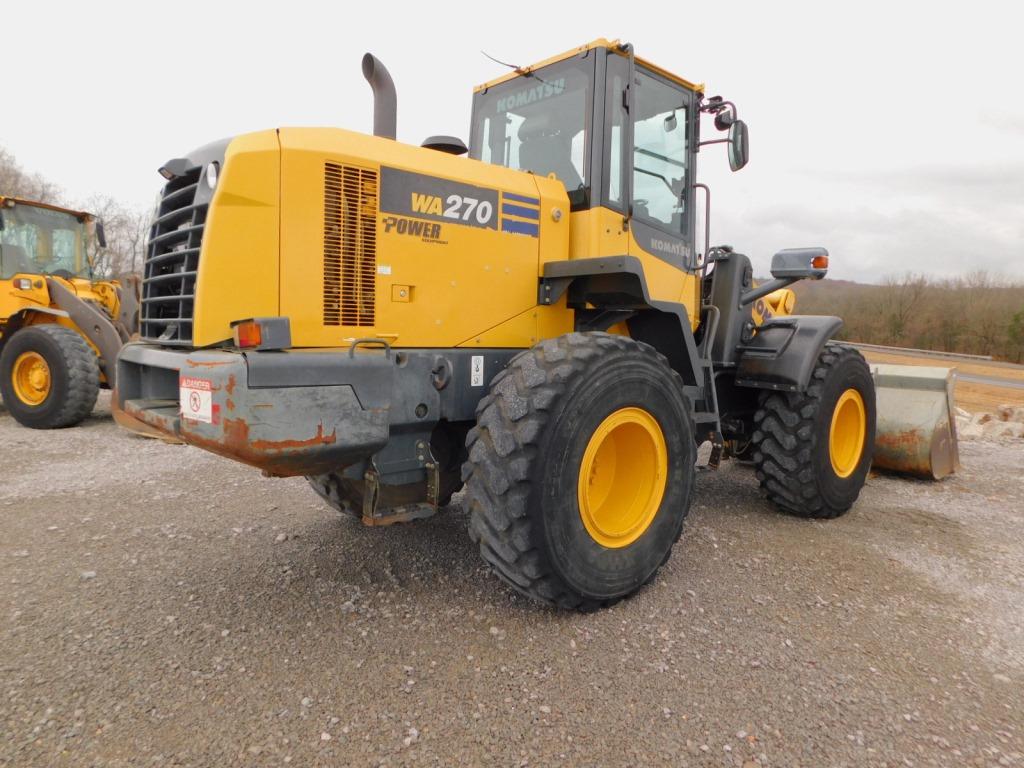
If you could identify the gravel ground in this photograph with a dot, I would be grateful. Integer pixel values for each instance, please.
(162, 606)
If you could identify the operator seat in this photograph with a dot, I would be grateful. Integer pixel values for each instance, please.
(546, 149)
(14, 259)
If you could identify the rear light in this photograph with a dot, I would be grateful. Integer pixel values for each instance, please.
(23, 284)
(248, 334)
(820, 262)
(263, 333)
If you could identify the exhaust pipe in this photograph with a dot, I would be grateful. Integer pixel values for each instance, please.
(385, 100)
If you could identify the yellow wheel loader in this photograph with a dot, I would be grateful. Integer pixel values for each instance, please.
(535, 322)
(60, 328)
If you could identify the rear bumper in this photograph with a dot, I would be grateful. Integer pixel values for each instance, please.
(283, 412)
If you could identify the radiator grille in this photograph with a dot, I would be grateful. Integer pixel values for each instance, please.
(350, 245)
(172, 261)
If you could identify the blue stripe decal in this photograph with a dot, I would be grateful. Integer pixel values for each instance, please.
(518, 210)
(520, 198)
(519, 227)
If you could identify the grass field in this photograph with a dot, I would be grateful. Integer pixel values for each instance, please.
(971, 396)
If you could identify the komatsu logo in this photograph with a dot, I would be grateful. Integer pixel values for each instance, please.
(667, 246)
(531, 95)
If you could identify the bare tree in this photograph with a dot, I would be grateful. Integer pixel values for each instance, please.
(15, 182)
(125, 229)
(900, 297)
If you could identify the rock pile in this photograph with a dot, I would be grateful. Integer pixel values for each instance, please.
(1007, 421)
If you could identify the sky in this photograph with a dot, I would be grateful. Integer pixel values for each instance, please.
(892, 133)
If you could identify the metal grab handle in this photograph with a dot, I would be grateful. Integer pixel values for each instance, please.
(368, 341)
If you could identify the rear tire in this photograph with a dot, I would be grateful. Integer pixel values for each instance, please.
(545, 424)
(49, 377)
(803, 461)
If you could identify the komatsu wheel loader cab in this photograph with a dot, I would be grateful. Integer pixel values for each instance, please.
(60, 326)
(534, 321)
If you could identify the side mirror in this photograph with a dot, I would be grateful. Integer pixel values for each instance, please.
(800, 264)
(1, 221)
(739, 147)
(101, 236)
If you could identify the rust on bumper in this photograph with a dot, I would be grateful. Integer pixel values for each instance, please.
(282, 430)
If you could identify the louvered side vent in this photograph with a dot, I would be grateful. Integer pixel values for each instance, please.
(350, 245)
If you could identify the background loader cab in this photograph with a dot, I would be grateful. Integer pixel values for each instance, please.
(60, 327)
(534, 323)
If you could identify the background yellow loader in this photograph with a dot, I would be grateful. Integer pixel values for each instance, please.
(60, 327)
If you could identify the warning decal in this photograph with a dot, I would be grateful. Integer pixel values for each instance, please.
(476, 371)
(196, 398)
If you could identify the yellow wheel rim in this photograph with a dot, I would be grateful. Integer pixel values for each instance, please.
(622, 477)
(846, 435)
(31, 378)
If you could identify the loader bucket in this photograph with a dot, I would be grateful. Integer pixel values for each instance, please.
(916, 426)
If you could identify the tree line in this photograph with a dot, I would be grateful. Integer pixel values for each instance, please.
(977, 314)
(125, 227)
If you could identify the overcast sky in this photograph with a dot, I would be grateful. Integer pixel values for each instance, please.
(892, 133)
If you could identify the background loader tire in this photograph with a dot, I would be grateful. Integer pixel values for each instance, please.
(49, 377)
(793, 447)
(536, 429)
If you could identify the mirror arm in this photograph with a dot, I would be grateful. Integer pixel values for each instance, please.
(714, 141)
(717, 104)
(765, 288)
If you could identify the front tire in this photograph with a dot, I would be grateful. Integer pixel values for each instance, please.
(580, 469)
(49, 377)
(812, 449)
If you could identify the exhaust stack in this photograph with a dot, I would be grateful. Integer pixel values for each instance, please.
(385, 100)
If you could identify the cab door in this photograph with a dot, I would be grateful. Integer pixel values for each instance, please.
(661, 217)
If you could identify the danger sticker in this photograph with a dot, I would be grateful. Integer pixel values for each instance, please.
(476, 371)
(196, 397)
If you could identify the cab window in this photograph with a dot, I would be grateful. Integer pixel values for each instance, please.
(539, 123)
(660, 153)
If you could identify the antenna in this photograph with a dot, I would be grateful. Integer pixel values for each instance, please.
(518, 70)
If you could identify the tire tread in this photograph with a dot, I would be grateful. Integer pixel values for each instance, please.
(784, 441)
(502, 447)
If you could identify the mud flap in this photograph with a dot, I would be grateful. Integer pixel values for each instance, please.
(784, 352)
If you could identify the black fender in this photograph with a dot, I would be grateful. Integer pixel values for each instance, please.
(616, 288)
(783, 353)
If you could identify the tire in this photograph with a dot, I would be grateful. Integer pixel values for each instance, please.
(72, 376)
(795, 459)
(535, 431)
(345, 495)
